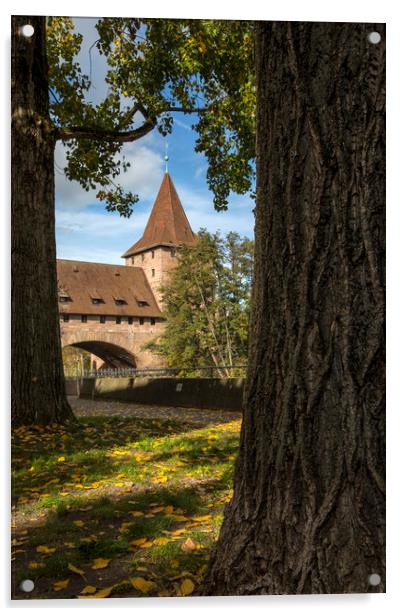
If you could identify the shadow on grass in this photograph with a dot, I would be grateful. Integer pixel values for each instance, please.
(108, 530)
(89, 493)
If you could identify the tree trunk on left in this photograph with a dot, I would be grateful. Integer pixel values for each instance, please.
(37, 379)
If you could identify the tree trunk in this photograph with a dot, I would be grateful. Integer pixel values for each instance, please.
(308, 511)
(38, 392)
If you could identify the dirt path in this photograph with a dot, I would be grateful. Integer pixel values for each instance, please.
(88, 408)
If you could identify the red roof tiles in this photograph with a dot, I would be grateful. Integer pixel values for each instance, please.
(82, 282)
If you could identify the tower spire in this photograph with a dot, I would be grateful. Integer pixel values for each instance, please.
(166, 157)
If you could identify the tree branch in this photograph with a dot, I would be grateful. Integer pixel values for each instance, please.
(187, 109)
(89, 132)
(93, 132)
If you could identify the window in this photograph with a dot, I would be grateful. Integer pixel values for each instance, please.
(97, 300)
(142, 256)
(142, 303)
(132, 260)
(102, 319)
(153, 254)
(118, 320)
(142, 320)
(173, 252)
(152, 321)
(84, 318)
(119, 301)
(153, 273)
(63, 299)
(130, 320)
(66, 318)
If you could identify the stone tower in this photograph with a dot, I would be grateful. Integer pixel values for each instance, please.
(167, 229)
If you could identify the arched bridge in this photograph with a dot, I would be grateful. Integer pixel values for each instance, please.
(115, 349)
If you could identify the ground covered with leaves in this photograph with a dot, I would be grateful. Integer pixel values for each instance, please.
(118, 506)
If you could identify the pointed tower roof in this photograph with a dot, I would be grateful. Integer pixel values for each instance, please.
(167, 224)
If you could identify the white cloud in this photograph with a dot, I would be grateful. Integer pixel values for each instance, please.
(198, 205)
(99, 225)
(143, 177)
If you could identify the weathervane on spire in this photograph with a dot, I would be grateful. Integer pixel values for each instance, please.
(166, 157)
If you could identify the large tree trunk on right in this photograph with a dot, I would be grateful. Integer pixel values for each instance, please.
(308, 511)
(37, 379)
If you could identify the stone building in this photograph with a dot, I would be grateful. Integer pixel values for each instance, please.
(112, 311)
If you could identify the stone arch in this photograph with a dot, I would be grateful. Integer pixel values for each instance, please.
(114, 352)
(112, 355)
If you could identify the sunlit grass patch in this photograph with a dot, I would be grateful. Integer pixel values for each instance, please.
(118, 497)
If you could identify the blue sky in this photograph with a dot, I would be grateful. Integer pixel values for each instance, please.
(85, 231)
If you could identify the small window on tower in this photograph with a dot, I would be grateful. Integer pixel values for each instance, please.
(66, 318)
(130, 320)
(132, 260)
(118, 320)
(153, 254)
(84, 318)
(141, 320)
(102, 319)
(152, 321)
(173, 252)
(153, 273)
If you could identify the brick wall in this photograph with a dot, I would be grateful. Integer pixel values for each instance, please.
(128, 337)
(156, 263)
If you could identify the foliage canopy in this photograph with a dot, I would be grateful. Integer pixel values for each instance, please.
(158, 68)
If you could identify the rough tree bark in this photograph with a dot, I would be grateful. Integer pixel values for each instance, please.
(37, 379)
(308, 511)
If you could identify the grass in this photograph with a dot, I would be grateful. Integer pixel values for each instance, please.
(142, 498)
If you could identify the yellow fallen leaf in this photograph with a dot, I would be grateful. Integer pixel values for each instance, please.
(60, 585)
(161, 541)
(180, 518)
(186, 587)
(75, 569)
(136, 514)
(169, 509)
(44, 549)
(157, 509)
(139, 541)
(34, 565)
(142, 585)
(88, 539)
(88, 590)
(188, 545)
(100, 563)
(147, 544)
(101, 594)
(61, 459)
(174, 564)
(202, 518)
(79, 523)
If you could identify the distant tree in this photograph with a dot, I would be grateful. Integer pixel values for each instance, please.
(207, 303)
(75, 361)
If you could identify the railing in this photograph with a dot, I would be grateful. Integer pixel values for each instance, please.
(188, 372)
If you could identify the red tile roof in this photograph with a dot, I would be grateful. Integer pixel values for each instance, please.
(167, 224)
(81, 282)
